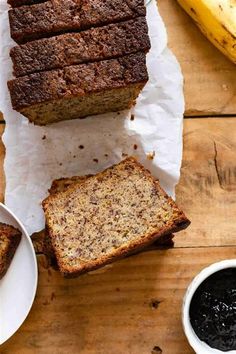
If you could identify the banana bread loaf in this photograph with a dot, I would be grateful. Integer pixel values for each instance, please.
(110, 215)
(100, 43)
(53, 17)
(80, 90)
(9, 240)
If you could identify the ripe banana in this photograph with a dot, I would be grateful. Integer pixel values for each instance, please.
(217, 20)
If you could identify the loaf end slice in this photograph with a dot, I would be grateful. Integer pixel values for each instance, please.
(115, 213)
(9, 240)
(81, 90)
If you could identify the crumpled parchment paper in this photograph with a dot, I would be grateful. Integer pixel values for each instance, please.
(37, 155)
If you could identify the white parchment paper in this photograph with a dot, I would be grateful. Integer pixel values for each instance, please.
(37, 155)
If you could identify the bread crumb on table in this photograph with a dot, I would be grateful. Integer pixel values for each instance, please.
(151, 155)
(156, 350)
(154, 303)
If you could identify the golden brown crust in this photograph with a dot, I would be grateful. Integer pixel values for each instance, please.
(177, 223)
(108, 42)
(53, 17)
(78, 80)
(9, 240)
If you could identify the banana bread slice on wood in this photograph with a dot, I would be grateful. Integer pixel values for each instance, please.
(42, 238)
(95, 44)
(57, 16)
(112, 214)
(9, 240)
(80, 90)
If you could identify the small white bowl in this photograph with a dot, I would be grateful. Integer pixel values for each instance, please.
(199, 346)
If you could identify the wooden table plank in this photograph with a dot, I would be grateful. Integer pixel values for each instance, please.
(207, 189)
(128, 307)
(210, 78)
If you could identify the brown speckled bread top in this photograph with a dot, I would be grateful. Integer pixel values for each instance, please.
(112, 214)
(78, 80)
(100, 43)
(53, 17)
(9, 240)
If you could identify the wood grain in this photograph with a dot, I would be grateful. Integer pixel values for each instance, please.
(126, 308)
(207, 189)
(210, 78)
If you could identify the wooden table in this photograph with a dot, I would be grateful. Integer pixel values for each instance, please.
(134, 305)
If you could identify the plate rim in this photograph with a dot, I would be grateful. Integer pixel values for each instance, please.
(4, 207)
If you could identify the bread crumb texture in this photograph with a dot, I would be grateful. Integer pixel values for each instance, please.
(107, 214)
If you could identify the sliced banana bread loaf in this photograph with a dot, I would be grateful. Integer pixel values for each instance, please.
(57, 16)
(81, 90)
(9, 240)
(112, 214)
(100, 43)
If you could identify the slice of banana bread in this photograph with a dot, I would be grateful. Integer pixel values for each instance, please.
(42, 237)
(96, 44)
(9, 240)
(57, 16)
(80, 90)
(110, 215)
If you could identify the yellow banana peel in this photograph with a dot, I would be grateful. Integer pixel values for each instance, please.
(217, 20)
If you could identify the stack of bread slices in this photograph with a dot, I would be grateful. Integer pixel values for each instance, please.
(94, 220)
(77, 58)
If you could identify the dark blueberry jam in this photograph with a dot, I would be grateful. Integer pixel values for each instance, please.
(213, 310)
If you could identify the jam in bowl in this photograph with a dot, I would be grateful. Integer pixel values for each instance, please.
(209, 309)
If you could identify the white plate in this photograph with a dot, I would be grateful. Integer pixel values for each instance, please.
(18, 286)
